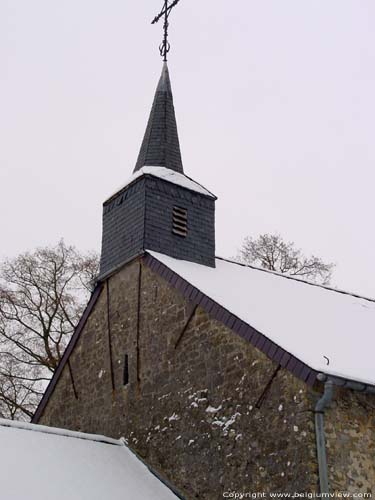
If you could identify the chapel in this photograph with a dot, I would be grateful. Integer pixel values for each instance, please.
(221, 377)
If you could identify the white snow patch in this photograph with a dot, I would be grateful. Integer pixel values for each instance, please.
(219, 423)
(94, 467)
(100, 374)
(167, 175)
(191, 442)
(194, 395)
(164, 396)
(173, 417)
(211, 409)
(280, 408)
(295, 428)
(231, 421)
(226, 423)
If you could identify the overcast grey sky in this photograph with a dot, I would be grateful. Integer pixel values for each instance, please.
(275, 104)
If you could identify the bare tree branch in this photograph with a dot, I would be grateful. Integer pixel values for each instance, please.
(42, 296)
(271, 252)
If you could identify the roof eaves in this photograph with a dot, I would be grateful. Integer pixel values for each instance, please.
(144, 175)
(25, 426)
(153, 471)
(346, 383)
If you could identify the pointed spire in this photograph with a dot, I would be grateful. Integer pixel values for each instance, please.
(160, 146)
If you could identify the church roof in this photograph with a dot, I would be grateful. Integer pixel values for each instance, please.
(160, 146)
(305, 327)
(41, 463)
(167, 175)
(308, 329)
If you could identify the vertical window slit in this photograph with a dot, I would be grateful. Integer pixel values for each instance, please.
(126, 370)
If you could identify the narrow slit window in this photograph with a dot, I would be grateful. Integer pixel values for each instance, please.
(126, 370)
(180, 226)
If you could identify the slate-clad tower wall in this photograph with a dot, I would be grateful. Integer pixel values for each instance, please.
(123, 227)
(141, 217)
(199, 243)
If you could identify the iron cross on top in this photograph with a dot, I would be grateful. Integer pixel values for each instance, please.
(165, 45)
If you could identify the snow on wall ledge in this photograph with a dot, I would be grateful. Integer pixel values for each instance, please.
(41, 463)
(316, 324)
(167, 175)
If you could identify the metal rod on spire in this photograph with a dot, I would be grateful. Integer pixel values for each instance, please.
(165, 46)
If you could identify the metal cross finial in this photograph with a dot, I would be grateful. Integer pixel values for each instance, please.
(165, 45)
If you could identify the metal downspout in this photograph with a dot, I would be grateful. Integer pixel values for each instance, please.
(321, 405)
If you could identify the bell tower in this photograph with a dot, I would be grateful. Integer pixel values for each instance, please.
(159, 208)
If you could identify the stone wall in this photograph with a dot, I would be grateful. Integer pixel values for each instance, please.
(203, 407)
(350, 432)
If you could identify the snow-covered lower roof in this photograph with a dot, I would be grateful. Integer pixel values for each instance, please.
(167, 175)
(332, 332)
(42, 463)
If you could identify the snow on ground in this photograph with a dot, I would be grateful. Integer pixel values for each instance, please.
(168, 175)
(42, 463)
(316, 324)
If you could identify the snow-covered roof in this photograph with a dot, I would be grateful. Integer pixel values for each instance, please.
(43, 463)
(167, 175)
(331, 331)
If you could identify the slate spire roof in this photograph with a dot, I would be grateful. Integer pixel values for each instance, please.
(160, 146)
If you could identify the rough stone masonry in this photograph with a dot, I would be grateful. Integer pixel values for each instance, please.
(200, 404)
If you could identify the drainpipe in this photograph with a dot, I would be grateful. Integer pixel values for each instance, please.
(320, 407)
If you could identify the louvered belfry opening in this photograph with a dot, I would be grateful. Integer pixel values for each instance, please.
(180, 221)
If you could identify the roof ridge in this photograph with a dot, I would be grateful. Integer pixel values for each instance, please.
(295, 278)
(25, 426)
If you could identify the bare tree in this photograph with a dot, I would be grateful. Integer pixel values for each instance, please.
(271, 252)
(42, 297)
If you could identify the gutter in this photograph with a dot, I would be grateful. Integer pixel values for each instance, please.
(347, 384)
(329, 383)
(320, 407)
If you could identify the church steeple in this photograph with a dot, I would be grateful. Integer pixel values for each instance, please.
(159, 209)
(160, 146)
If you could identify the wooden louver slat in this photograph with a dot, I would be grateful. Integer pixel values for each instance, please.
(180, 221)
